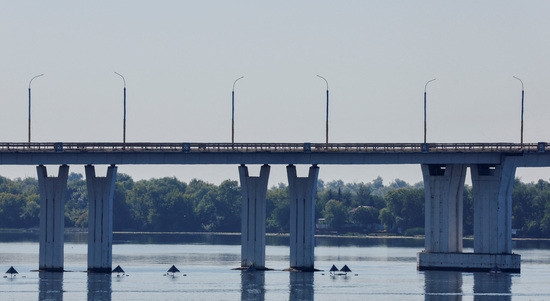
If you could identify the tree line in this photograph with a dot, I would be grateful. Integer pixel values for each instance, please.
(167, 204)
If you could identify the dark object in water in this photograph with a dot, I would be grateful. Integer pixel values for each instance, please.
(118, 270)
(173, 270)
(12, 271)
(345, 269)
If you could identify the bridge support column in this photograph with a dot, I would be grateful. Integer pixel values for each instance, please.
(52, 218)
(302, 218)
(443, 185)
(100, 219)
(254, 190)
(492, 191)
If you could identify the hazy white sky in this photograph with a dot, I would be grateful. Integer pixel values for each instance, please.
(180, 59)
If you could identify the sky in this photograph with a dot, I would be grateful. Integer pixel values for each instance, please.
(180, 60)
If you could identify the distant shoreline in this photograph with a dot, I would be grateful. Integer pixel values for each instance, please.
(84, 230)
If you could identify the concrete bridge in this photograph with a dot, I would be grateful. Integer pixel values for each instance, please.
(492, 167)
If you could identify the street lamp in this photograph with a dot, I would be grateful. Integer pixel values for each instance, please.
(326, 120)
(522, 94)
(233, 111)
(30, 82)
(425, 86)
(124, 120)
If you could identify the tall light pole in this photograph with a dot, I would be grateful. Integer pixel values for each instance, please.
(233, 111)
(425, 87)
(30, 82)
(522, 94)
(326, 119)
(124, 119)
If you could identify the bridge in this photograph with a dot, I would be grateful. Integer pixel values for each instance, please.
(492, 168)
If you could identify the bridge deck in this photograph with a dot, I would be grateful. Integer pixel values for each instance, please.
(531, 154)
(268, 147)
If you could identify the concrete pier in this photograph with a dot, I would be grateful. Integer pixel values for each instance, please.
(492, 193)
(100, 219)
(468, 262)
(492, 189)
(302, 217)
(443, 186)
(52, 218)
(254, 190)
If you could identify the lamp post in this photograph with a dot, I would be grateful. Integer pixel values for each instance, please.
(233, 111)
(425, 87)
(30, 82)
(326, 119)
(124, 119)
(522, 95)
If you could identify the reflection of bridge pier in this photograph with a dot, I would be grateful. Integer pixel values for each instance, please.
(301, 286)
(50, 286)
(99, 287)
(442, 285)
(497, 286)
(253, 285)
(492, 188)
(447, 285)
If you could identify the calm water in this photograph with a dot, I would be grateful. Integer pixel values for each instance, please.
(382, 269)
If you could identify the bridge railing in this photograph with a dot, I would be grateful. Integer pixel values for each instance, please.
(271, 147)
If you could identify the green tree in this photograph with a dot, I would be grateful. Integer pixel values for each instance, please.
(278, 209)
(528, 208)
(122, 218)
(11, 209)
(364, 197)
(18, 203)
(365, 216)
(76, 202)
(468, 210)
(335, 214)
(407, 205)
(220, 208)
(165, 204)
(387, 218)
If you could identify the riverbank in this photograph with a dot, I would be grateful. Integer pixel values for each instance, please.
(347, 235)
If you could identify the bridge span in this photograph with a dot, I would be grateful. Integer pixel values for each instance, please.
(532, 155)
(492, 168)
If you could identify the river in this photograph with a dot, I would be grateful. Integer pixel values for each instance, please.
(382, 269)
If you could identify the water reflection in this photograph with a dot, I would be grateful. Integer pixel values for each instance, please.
(253, 285)
(301, 286)
(50, 286)
(99, 286)
(447, 285)
(492, 286)
(442, 285)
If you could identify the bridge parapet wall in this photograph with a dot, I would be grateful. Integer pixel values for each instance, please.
(307, 147)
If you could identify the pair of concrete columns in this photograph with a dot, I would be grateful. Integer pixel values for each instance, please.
(492, 194)
(302, 217)
(100, 197)
(53, 192)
